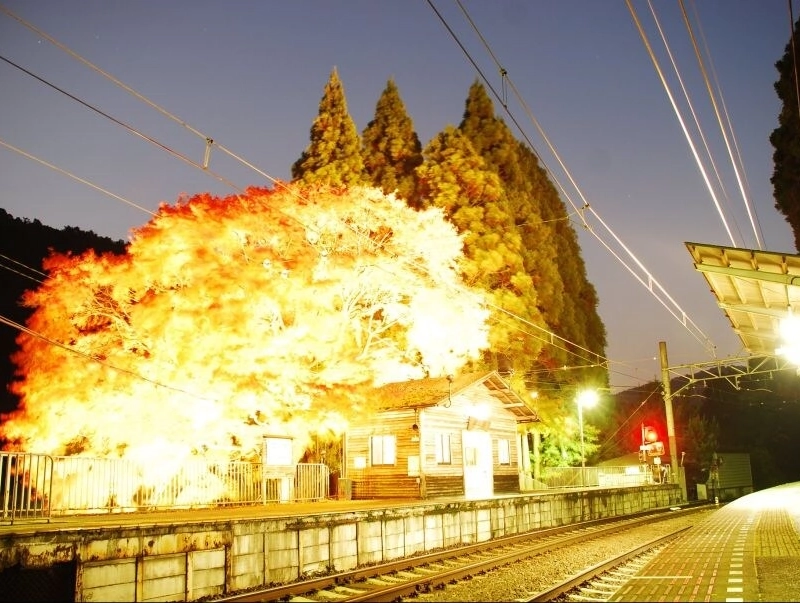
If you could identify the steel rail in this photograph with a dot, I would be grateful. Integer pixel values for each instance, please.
(589, 574)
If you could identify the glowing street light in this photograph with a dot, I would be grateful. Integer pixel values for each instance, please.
(585, 398)
(790, 334)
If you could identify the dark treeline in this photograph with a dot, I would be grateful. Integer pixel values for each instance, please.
(757, 414)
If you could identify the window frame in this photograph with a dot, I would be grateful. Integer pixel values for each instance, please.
(503, 451)
(383, 450)
(443, 448)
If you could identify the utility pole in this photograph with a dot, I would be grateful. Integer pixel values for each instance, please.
(673, 443)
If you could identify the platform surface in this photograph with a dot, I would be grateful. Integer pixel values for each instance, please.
(747, 550)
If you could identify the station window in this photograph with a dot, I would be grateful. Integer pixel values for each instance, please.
(444, 455)
(504, 452)
(382, 450)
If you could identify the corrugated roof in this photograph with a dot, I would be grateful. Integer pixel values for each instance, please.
(422, 393)
(753, 288)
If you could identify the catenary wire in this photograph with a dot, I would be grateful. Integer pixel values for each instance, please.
(27, 155)
(129, 128)
(693, 113)
(715, 105)
(208, 140)
(681, 121)
(794, 57)
(738, 160)
(95, 358)
(675, 310)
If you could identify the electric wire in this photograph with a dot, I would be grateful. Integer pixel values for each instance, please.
(681, 121)
(209, 141)
(267, 176)
(129, 128)
(147, 101)
(693, 113)
(794, 56)
(97, 69)
(95, 358)
(738, 160)
(715, 105)
(20, 273)
(27, 155)
(601, 446)
(683, 318)
(20, 264)
(593, 358)
(652, 283)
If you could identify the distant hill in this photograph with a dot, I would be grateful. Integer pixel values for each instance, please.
(23, 246)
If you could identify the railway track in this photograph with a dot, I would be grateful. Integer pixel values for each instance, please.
(601, 581)
(411, 576)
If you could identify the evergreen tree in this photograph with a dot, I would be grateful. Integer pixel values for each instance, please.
(580, 322)
(334, 155)
(493, 140)
(456, 179)
(390, 147)
(550, 251)
(786, 140)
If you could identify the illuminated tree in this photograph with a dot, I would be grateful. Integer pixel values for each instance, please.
(333, 156)
(455, 178)
(581, 323)
(561, 444)
(390, 146)
(274, 311)
(494, 142)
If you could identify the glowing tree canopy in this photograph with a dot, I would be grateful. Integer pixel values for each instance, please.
(275, 311)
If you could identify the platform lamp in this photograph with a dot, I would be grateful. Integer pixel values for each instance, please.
(587, 397)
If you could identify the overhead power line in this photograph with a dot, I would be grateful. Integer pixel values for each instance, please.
(645, 277)
(27, 155)
(717, 113)
(209, 142)
(129, 128)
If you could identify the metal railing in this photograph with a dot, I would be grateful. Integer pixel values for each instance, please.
(36, 485)
(25, 485)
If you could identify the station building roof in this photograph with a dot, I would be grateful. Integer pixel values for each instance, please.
(422, 393)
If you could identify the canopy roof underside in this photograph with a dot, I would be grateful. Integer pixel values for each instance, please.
(755, 289)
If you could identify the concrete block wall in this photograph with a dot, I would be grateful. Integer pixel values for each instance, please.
(109, 581)
(343, 557)
(185, 562)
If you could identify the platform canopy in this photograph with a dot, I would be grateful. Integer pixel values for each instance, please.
(755, 290)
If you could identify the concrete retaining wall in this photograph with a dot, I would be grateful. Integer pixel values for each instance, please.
(188, 561)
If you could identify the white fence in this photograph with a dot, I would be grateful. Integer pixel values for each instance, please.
(35, 485)
(587, 477)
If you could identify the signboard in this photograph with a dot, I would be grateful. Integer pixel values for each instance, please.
(277, 451)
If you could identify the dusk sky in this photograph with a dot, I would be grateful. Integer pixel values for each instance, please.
(250, 75)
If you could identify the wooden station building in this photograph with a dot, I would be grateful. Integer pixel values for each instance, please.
(448, 436)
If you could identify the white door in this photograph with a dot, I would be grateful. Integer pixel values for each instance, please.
(478, 476)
